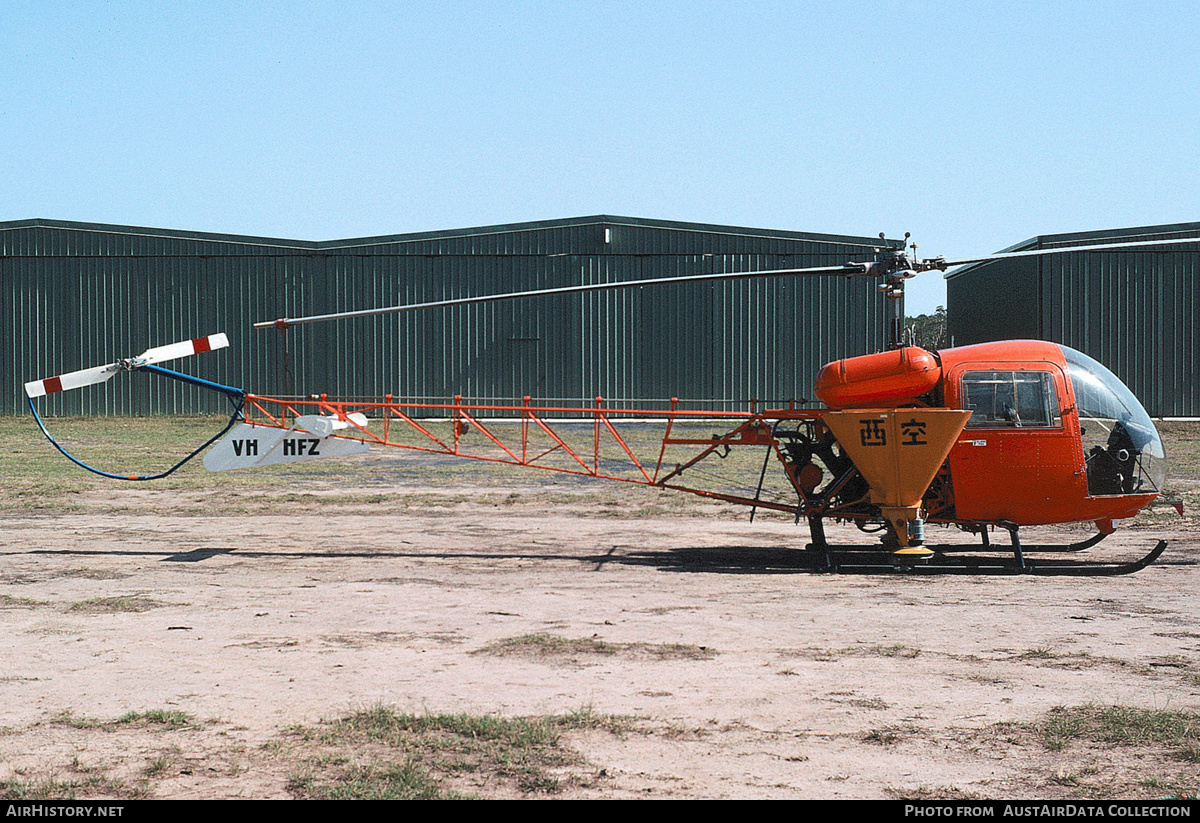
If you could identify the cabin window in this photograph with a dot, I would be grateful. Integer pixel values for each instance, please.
(1122, 448)
(1000, 399)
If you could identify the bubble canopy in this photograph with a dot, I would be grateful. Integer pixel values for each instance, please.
(1123, 449)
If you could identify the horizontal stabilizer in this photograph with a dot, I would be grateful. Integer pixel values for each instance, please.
(247, 446)
(323, 426)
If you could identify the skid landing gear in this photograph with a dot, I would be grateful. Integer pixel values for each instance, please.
(967, 559)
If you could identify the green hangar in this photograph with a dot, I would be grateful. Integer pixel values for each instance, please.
(1138, 312)
(76, 295)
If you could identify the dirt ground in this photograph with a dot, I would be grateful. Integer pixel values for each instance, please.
(734, 672)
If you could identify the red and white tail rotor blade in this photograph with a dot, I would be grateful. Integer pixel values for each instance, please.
(101, 374)
(173, 351)
(71, 380)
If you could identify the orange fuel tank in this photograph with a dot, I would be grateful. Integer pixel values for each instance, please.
(878, 380)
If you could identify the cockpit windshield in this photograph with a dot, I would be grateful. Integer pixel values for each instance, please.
(1120, 443)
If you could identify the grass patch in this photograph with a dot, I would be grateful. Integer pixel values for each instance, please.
(893, 650)
(539, 646)
(549, 645)
(7, 601)
(1037, 653)
(1065, 660)
(160, 718)
(168, 719)
(159, 766)
(93, 574)
(1097, 752)
(115, 605)
(52, 788)
(67, 717)
(406, 781)
(889, 735)
(931, 793)
(1124, 726)
(380, 753)
(47, 788)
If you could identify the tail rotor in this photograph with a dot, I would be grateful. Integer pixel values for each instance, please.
(147, 360)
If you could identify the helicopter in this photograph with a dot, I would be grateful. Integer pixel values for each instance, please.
(992, 436)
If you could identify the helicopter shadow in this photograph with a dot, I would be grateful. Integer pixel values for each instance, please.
(690, 560)
(713, 560)
(728, 560)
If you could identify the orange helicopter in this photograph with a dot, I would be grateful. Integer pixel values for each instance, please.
(990, 436)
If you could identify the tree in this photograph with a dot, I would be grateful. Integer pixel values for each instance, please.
(926, 330)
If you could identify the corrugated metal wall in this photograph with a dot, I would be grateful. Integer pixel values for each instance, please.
(1136, 312)
(78, 295)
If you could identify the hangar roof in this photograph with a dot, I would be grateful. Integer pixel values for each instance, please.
(1079, 238)
(503, 228)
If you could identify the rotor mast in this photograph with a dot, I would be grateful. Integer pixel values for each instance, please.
(894, 267)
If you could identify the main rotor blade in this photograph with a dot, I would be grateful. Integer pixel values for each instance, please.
(846, 269)
(1125, 246)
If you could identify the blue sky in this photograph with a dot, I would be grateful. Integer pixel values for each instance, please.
(971, 125)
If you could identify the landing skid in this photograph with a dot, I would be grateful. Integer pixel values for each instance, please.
(988, 546)
(842, 561)
(878, 560)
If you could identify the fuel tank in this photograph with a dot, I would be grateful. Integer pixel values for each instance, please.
(880, 380)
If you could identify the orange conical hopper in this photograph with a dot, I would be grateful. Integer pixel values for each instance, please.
(898, 452)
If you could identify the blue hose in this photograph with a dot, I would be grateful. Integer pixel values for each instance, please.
(237, 397)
